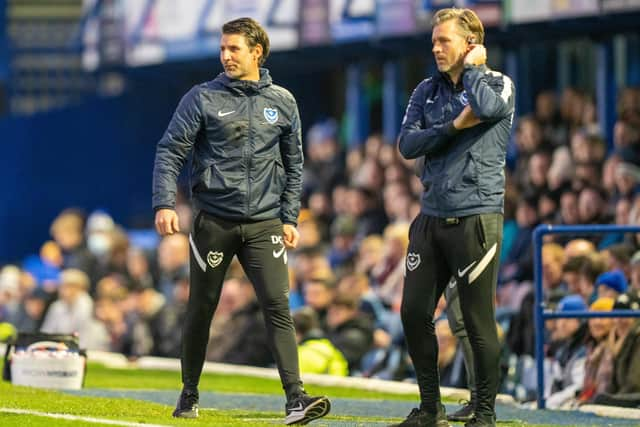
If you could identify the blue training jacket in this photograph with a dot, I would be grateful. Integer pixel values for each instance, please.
(247, 151)
(463, 170)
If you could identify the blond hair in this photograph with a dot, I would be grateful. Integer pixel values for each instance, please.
(466, 19)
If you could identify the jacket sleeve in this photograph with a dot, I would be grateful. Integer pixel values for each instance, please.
(173, 149)
(491, 95)
(292, 159)
(418, 138)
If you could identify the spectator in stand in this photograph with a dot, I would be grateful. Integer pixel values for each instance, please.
(397, 201)
(310, 229)
(610, 284)
(243, 339)
(528, 138)
(343, 242)
(571, 273)
(624, 388)
(340, 199)
(610, 173)
(599, 362)
(579, 247)
(627, 178)
(518, 263)
(569, 213)
(587, 147)
(388, 275)
(9, 293)
(349, 330)
(566, 363)
(538, 169)
(73, 309)
(316, 353)
(365, 208)
(111, 315)
(173, 262)
(67, 230)
(324, 166)
(548, 117)
(166, 325)
(589, 271)
(370, 254)
(591, 206)
(138, 270)
(450, 360)
(138, 307)
(561, 169)
(634, 273)
(618, 257)
(319, 292)
(31, 311)
(321, 211)
(369, 176)
(99, 231)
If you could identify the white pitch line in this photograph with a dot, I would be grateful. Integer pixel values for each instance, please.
(77, 418)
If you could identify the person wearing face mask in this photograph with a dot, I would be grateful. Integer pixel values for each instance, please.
(459, 120)
(244, 135)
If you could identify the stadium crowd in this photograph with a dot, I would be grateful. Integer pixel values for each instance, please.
(127, 294)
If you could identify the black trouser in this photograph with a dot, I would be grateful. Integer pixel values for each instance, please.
(439, 248)
(456, 323)
(261, 252)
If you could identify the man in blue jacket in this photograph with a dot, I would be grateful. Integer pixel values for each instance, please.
(458, 120)
(246, 178)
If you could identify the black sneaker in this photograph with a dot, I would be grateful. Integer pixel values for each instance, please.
(421, 418)
(187, 406)
(304, 408)
(478, 421)
(463, 414)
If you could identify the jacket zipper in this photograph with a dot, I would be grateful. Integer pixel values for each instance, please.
(248, 156)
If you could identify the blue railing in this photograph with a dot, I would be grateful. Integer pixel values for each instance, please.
(541, 314)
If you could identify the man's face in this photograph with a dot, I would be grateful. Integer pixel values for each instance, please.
(449, 46)
(238, 59)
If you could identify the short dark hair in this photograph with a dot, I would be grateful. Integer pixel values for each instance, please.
(253, 33)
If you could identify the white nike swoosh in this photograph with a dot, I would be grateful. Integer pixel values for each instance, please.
(484, 262)
(430, 101)
(276, 254)
(226, 113)
(467, 268)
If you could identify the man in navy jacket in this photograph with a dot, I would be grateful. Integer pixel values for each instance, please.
(246, 179)
(457, 122)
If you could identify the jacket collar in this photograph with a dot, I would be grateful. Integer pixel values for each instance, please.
(444, 77)
(246, 86)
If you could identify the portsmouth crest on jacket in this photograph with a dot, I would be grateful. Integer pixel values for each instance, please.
(271, 115)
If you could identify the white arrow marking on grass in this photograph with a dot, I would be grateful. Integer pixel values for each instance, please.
(77, 418)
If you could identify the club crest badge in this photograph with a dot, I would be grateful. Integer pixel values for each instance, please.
(413, 261)
(464, 99)
(214, 258)
(271, 115)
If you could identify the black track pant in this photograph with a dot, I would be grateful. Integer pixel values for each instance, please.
(467, 248)
(261, 252)
(456, 323)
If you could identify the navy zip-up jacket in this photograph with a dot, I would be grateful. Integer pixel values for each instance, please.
(247, 151)
(463, 170)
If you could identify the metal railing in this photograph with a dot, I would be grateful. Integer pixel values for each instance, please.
(541, 312)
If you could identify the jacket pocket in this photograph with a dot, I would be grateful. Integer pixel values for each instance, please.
(460, 185)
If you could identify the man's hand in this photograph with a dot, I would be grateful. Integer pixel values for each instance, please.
(291, 236)
(466, 119)
(477, 55)
(167, 222)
